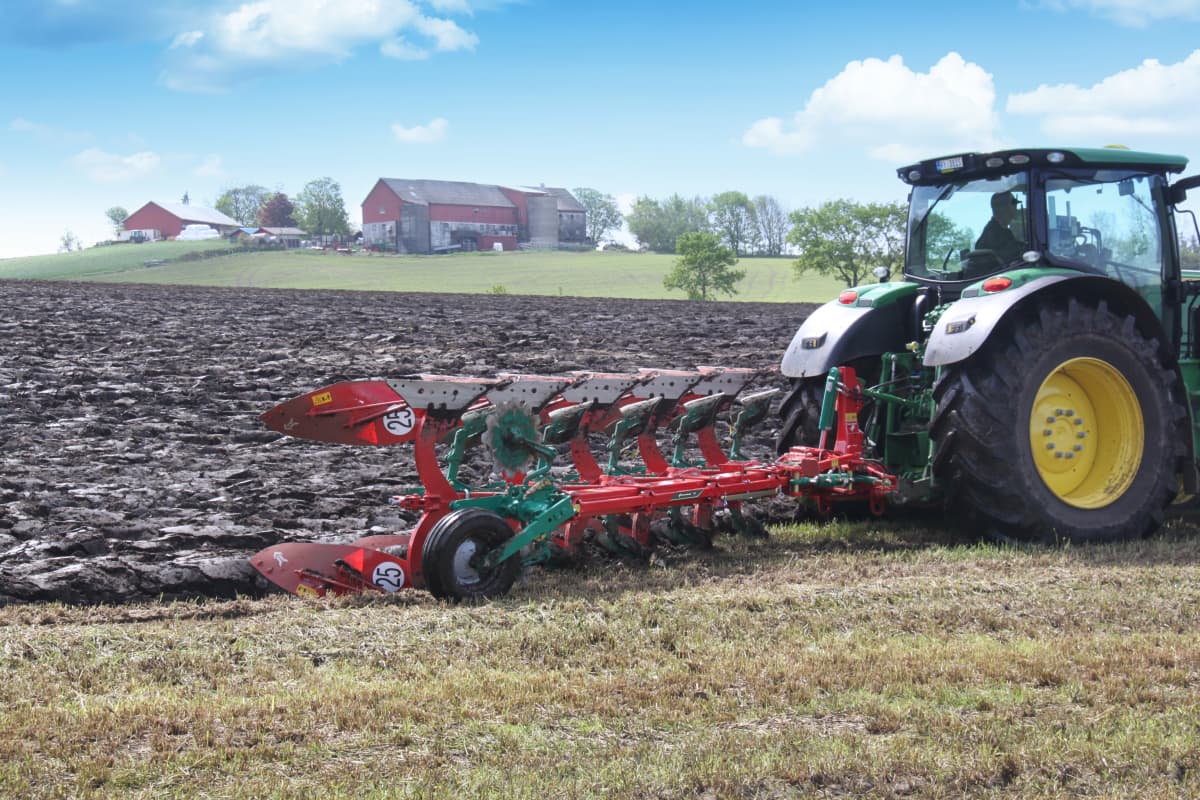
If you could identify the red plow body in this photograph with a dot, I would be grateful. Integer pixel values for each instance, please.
(469, 541)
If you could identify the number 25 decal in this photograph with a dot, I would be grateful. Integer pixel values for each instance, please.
(388, 576)
(399, 422)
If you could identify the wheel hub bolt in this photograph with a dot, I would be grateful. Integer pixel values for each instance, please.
(1070, 412)
(1047, 432)
(1070, 455)
(1050, 445)
(1058, 455)
(1058, 412)
(1050, 419)
(1078, 448)
(1079, 420)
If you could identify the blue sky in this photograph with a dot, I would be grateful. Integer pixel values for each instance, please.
(105, 104)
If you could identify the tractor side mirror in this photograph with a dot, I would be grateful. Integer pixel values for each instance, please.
(1178, 191)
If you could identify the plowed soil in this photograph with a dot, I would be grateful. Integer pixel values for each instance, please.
(132, 461)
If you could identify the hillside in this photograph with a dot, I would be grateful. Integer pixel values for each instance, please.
(570, 274)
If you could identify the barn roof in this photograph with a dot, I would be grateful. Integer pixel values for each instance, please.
(190, 213)
(451, 193)
(566, 200)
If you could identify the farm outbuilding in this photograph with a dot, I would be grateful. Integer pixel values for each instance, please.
(290, 237)
(432, 216)
(170, 218)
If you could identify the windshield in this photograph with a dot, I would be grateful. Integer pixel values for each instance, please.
(967, 230)
(1106, 219)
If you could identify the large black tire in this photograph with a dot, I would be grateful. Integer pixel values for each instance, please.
(458, 539)
(1066, 426)
(800, 412)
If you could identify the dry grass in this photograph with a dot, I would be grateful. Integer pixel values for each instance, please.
(864, 659)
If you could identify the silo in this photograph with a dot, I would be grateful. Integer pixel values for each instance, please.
(543, 221)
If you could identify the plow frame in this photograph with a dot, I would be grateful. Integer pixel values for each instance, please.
(547, 517)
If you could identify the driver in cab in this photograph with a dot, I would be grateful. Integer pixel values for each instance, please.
(998, 235)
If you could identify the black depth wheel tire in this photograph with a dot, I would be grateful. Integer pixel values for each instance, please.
(1019, 456)
(801, 412)
(457, 540)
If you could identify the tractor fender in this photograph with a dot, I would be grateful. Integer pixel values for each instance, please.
(837, 333)
(965, 326)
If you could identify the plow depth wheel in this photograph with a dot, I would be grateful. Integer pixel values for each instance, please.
(1065, 427)
(454, 551)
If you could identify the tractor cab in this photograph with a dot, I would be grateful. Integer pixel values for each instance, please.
(1098, 211)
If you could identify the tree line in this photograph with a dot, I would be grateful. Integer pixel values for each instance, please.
(840, 238)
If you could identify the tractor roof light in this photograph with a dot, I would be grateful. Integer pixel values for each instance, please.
(1056, 157)
(848, 297)
(994, 162)
(997, 284)
(1018, 160)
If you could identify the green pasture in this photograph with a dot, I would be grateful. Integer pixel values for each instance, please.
(587, 274)
(101, 261)
(879, 659)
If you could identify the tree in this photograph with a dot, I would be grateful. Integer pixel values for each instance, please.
(658, 225)
(1189, 252)
(322, 211)
(703, 267)
(733, 218)
(243, 203)
(847, 239)
(772, 225)
(69, 242)
(277, 212)
(602, 212)
(117, 216)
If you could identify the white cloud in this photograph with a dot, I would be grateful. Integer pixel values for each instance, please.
(435, 131)
(401, 50)
(187, 39)
(267, 35)
(446, 34)
(890, 110)
(1150, 99)
(211, 166)
(22, 125)
(1133, 13)
(108, 167)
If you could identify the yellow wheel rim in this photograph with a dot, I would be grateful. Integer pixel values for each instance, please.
(1086, 433)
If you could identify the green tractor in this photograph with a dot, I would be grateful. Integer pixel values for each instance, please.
(1037, 368)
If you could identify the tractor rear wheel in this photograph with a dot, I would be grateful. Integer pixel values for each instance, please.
(454, 549)
(1064, 427)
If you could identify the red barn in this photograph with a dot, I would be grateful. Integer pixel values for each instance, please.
(169, 218)
(428, 216)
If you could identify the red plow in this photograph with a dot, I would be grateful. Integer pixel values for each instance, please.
(551, 492)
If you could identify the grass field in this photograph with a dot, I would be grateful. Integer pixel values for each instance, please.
(840, 660)
(587, 274)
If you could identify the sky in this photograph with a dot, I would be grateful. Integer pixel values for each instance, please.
(108, 104)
